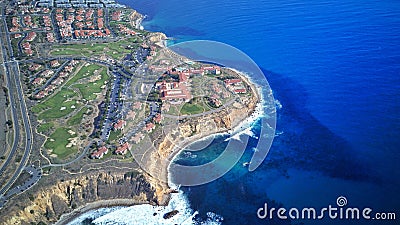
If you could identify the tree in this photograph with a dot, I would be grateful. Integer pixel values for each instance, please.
(9, 123)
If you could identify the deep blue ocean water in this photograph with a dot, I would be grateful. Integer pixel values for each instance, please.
(335, 67)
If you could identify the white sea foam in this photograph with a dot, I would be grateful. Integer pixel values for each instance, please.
(245, 127)
(148, 214)
(254, 149)
(93, 214)
(278, 104)
(237, 136)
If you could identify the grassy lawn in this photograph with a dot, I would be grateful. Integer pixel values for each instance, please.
(114, 49)
(69, 51)
(64, 102)
(60, 137)
(89, 90)
(190, 109)
(62, 110)
(114, 135)
(77, 118)
(55, 102)
(86, 71)
(195, 106)
(45, 127)
(173, 110)
(57, 106)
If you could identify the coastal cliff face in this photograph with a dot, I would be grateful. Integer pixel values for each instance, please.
(190, 130)
(157, 37)
(136, 19)
(193, 129)
(48, 204)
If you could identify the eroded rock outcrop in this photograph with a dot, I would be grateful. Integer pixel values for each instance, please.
(157, 37)
(136, 19)
(48, 204)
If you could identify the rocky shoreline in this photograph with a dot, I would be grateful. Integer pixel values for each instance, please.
(67, 218)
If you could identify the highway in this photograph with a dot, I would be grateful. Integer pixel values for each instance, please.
(13, 109)
(13, 76)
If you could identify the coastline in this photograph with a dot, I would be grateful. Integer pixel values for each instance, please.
(69, 217)
(256, 113)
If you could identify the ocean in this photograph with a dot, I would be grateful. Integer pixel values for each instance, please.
(334, 66)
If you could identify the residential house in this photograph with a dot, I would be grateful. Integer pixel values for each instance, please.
(38, 81)
(120, 125)
(54, 63)
(123, 149)
(99, 153)
(31, 36)
(137, 138)
(149, 127)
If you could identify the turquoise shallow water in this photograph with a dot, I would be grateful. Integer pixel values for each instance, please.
(335, 67)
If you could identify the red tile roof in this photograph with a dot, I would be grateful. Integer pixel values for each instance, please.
(149, 127)
(34, 67)
(54, 63)
(100, 152)
(31, 36)
(38, 80)
(40, 95)
(240, 90)
(233, 81)
(120, 125)
(158, 118)
(116, 16)
(122, 150)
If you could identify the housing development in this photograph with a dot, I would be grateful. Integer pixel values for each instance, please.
(79, 3)
(88, 91)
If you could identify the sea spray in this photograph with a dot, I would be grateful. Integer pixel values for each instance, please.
(91, 215)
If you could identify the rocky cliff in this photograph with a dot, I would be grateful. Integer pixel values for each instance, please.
(136, 19)
(193, 129)
(47, 204)
(157, 37)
